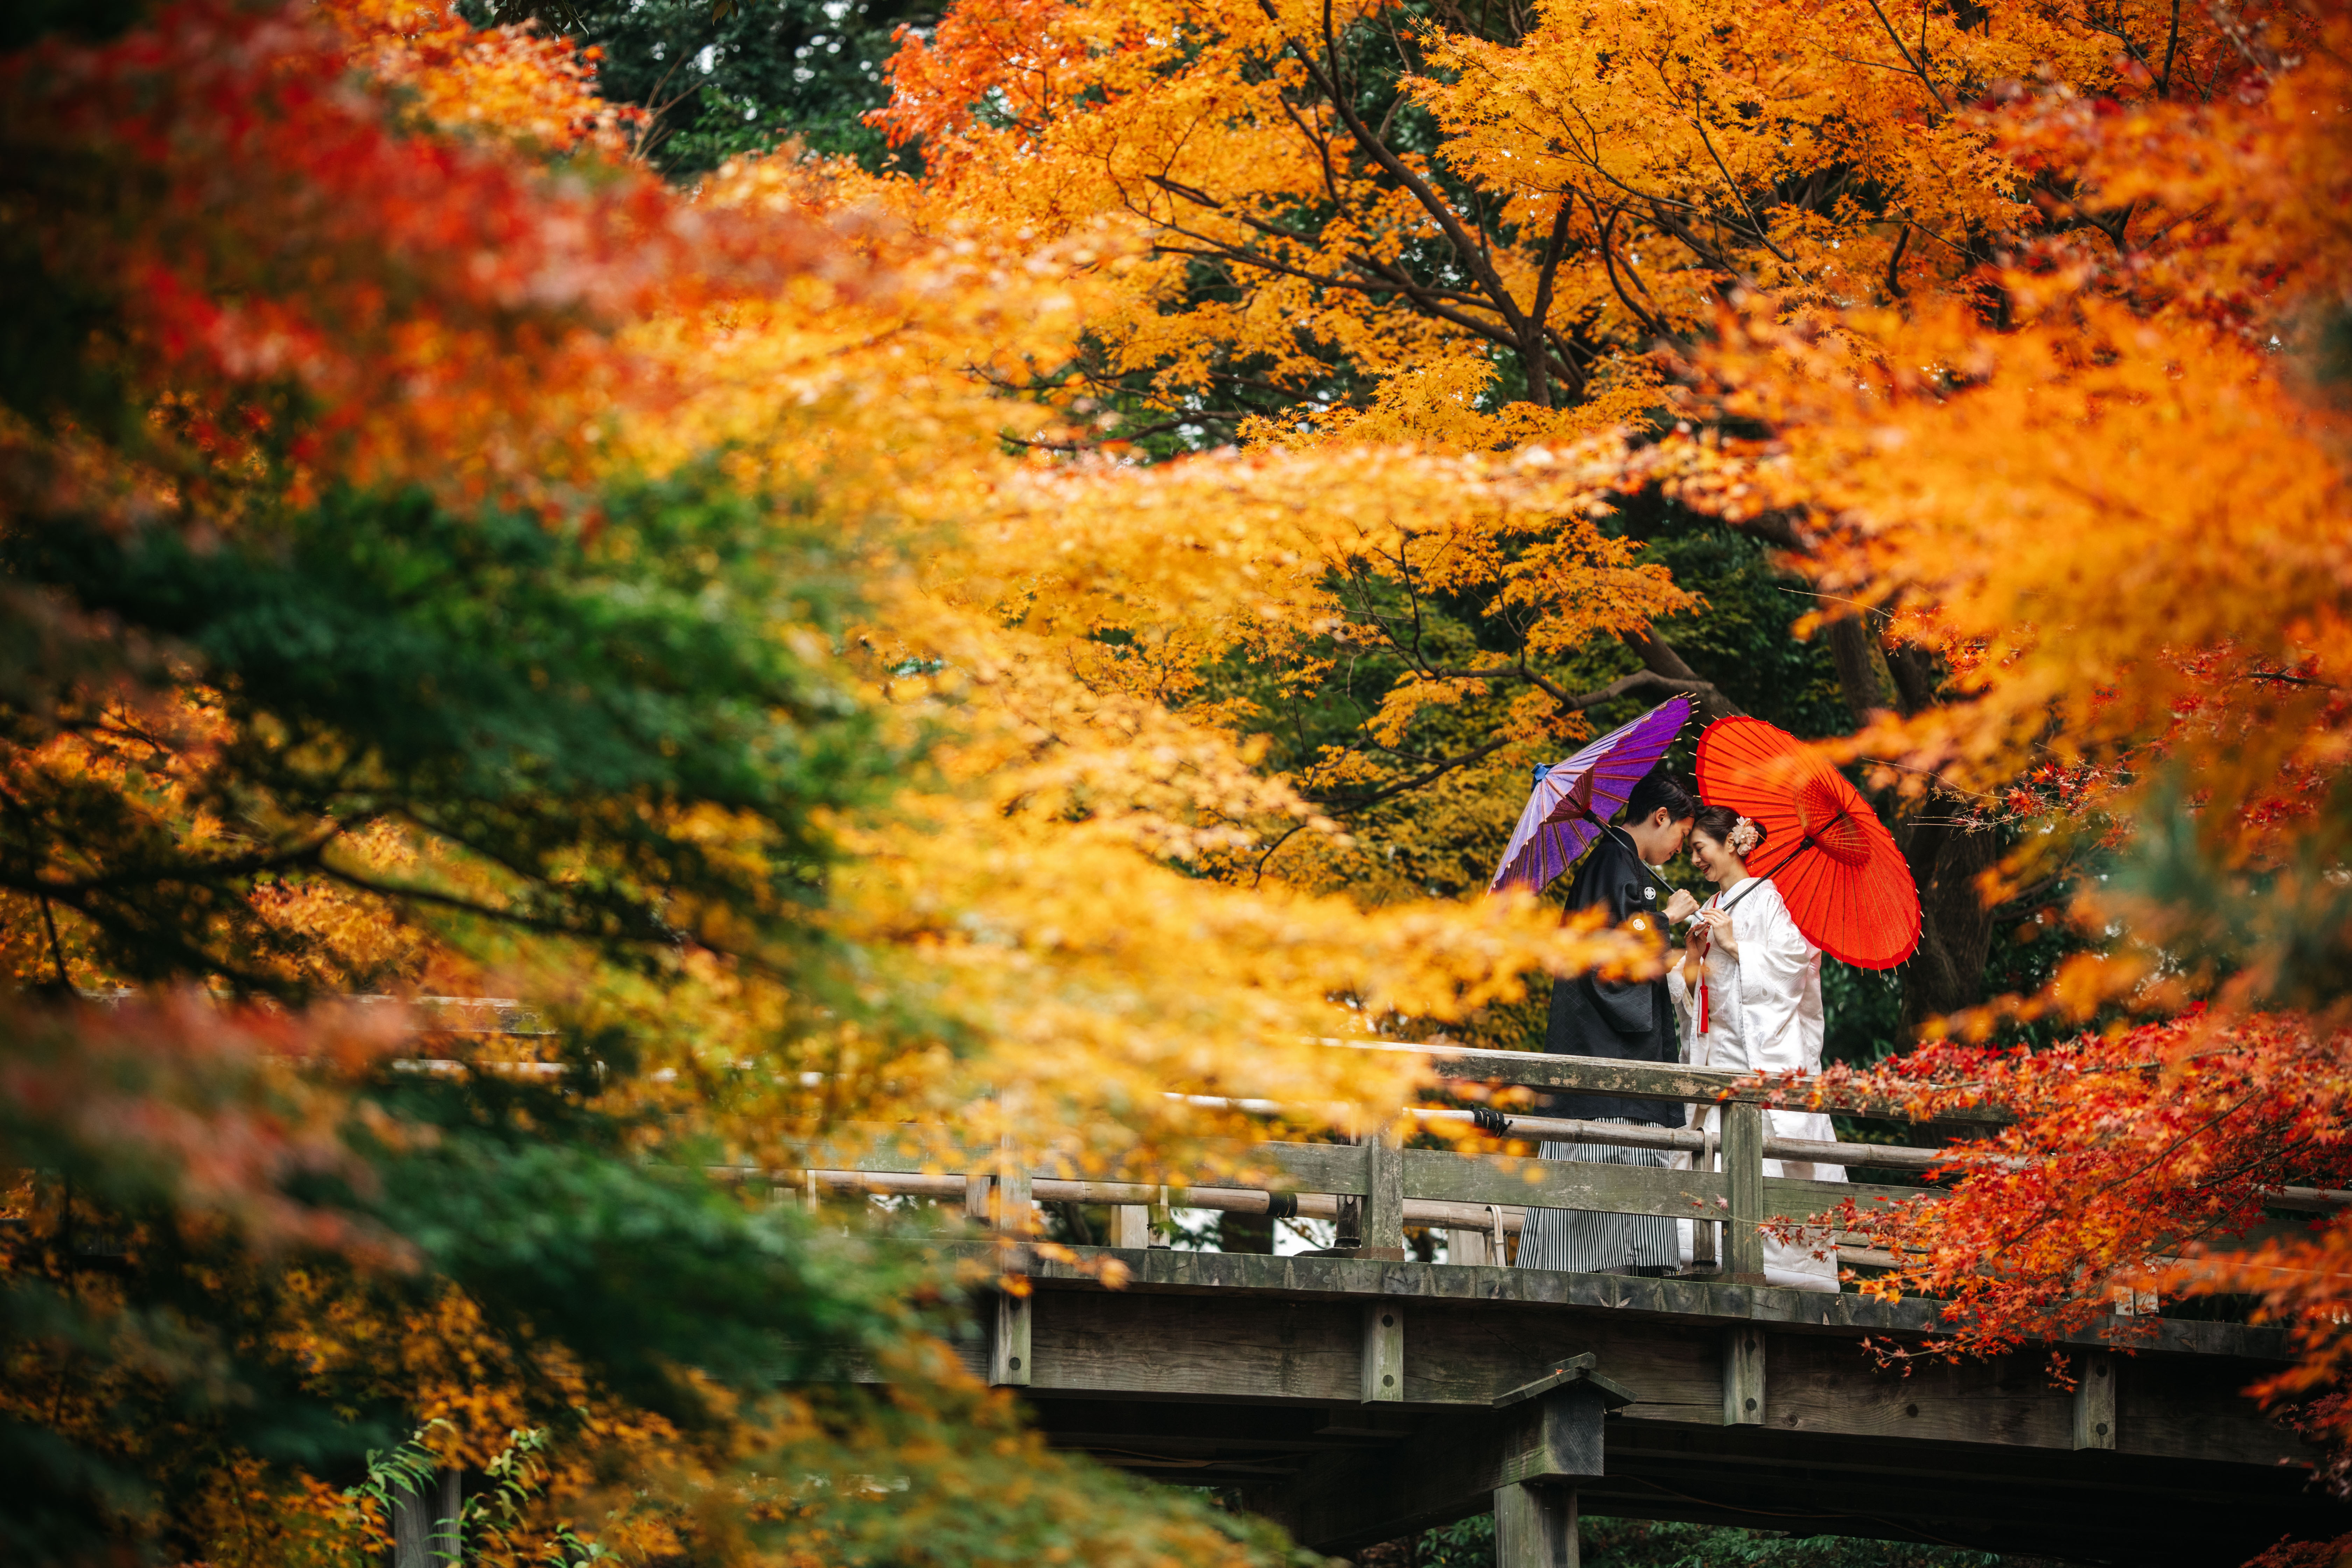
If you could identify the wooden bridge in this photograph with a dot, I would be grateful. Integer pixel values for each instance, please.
(1358, 1396)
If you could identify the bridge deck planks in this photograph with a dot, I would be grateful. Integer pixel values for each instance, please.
(1815, 1384)
(1257, 1351)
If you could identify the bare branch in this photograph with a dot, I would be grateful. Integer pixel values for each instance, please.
(1917, 68)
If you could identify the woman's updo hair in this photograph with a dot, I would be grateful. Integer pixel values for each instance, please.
(1720, 823)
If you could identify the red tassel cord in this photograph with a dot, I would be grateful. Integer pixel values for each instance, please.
(1705, 941)
(1702, 1025)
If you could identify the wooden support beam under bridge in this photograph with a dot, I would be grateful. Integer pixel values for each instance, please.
(1247, 1371)
(1359, 1397)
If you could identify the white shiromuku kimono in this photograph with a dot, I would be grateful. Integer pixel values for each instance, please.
(1764, 1016)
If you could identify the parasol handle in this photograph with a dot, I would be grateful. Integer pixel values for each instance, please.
(1799, 848)
(1801, 845)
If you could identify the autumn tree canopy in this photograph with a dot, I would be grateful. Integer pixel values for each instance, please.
(1472, 229)
(989, 642)
(442, 560)
(2017, 331)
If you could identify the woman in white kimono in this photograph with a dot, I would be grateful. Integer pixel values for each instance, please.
(1748, 995)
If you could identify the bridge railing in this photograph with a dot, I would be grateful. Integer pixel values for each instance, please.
(1375, 1189)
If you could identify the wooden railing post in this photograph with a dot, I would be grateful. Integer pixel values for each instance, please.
(1010, 1355)
(1706, 1235)
(1469, 1247)
(1013, 1207)
(1384, 1194)
(980, 1187)
(1008, 1349)
(1743, 1171)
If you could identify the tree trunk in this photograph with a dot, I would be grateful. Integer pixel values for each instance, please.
(1917, 674)
(1864, 678)
(1955, 927)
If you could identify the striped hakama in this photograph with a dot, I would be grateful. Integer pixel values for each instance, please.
(1589, 1243)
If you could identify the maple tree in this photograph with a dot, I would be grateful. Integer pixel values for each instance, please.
(1421, 809)
(2019, 328)
(1469, 226)
(442, 560)
(718, 81)
(2157, 665)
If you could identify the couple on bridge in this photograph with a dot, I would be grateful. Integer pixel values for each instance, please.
(1746, 993)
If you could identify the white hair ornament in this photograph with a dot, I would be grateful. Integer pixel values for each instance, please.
(1744, 836)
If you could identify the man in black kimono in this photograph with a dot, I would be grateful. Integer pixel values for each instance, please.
(1625, 1020)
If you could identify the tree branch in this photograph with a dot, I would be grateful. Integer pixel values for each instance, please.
(1471, 253)
(1608, 262)
(1658, 656)
(1917, 68)
(1555, 246)
(1895, 264)
(1643, 683)
(1362, 803)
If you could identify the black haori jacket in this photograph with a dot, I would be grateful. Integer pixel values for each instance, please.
(1628, 1020)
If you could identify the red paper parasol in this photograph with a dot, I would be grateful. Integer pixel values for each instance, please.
(1835, 864)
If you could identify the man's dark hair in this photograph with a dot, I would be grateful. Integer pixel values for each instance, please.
(1658, 787)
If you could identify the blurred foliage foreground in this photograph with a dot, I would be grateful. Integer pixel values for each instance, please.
(440, 559)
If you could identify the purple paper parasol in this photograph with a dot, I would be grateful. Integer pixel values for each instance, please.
(1573, 798)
